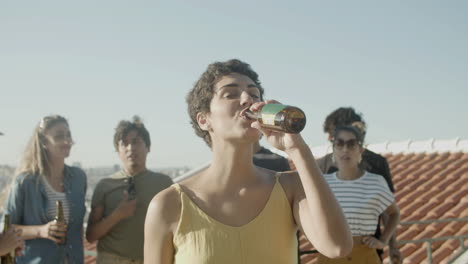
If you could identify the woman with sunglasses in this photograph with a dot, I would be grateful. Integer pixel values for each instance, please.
(362, 196)
(234, 212)
(41, 180)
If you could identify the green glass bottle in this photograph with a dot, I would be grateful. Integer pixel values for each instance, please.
(283, 118)
(59, 216)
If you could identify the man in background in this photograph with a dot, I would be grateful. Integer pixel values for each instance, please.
(120, 202)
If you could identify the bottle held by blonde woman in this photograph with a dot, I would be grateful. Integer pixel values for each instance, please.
(9, 258)
(60, 217)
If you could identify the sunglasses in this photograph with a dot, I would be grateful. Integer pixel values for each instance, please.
(350, 144)
(131, 190)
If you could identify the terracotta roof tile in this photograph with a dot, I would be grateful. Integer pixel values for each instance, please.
(430, 194)
(409, 234)
(442, 233)
(460, 172)
(399, 160)
(422, 211)
(408, 249)
(438, 210)
(441, 196)
(401, 195)
(442, 255)
(417, 256)
(457, 195)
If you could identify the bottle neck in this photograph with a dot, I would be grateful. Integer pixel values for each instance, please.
(251, 115)
(6, 223)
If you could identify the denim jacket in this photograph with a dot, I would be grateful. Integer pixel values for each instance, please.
(27, 205)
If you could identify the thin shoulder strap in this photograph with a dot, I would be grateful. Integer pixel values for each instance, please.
(177, 187)
(277, 176)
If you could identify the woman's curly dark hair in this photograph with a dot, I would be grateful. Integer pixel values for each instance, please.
(199, 98)
(344, 116)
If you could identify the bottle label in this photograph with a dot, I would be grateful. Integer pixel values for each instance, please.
(269, 112)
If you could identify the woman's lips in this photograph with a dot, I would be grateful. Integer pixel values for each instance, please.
(345, 158)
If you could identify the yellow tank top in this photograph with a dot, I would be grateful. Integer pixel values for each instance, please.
(268, 238)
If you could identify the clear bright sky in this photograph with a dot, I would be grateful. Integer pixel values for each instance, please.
(403, 64)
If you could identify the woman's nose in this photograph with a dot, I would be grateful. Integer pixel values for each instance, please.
(69, 140)
(130, 146)
(246, 99)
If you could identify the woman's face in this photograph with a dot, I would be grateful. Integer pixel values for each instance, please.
(234, 93)
(347, 150)
(58, 141)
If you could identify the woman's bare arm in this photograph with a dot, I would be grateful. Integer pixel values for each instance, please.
(393, 214)
(316, 209)
(160, 225)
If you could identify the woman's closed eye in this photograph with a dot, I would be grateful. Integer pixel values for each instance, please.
(62, 137)
(255, 96)
(236, 92)
(231, 95)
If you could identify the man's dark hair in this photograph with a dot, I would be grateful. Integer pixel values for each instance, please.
(199, 98)
(343, 116)
(125, 126)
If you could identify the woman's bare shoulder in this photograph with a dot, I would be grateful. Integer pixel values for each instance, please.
(165, 207)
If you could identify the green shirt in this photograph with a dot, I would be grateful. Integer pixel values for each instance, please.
(126, 237)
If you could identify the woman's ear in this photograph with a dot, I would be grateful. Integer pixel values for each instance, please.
(203, 121)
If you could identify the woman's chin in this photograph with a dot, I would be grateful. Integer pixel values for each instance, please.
(253, 136)
(347, 164)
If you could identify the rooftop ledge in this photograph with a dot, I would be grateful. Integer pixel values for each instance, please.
(406, 146)
(388, 147)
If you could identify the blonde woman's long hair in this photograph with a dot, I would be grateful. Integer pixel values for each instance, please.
(35, 159)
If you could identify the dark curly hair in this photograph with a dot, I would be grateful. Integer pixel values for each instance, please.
(199, 98)
(125, 126)
(343, 116)
(353, 130)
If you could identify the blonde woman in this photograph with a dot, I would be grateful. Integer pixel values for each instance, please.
(42, 179)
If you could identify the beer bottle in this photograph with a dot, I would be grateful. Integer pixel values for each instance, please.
(59, 216)
(10, 257)
(283, 118)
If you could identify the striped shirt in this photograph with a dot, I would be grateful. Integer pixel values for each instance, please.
(362, 200)
(52, 197)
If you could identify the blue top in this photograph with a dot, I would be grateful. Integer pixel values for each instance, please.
(27, 205)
